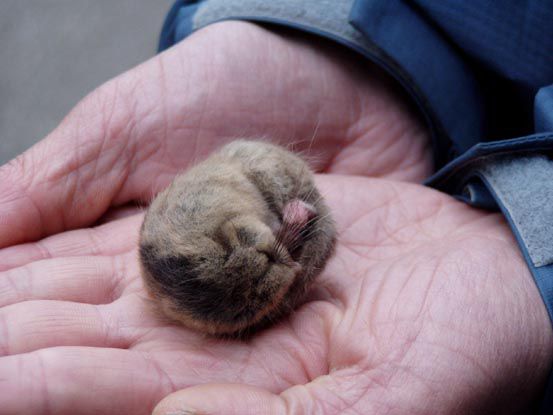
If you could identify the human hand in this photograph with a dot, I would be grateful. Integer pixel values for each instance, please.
(128, 139)
(426, 307)
(78, 334)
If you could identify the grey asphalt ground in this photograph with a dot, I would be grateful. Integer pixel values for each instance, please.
(53, 52)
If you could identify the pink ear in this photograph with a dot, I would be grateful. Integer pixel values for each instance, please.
(298, 213)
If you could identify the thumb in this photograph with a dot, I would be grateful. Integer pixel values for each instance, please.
(325, 395)
(227, 399)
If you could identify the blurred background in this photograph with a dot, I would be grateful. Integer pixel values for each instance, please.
(53, 52)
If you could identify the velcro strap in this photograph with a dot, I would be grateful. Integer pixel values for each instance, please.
(522, 187)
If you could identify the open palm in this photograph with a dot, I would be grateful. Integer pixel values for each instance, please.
(426, 307)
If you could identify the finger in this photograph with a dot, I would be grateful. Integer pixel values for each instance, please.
(317, 397)
(93, 280)
(33, 325)
(108, 239)
(80, 380)
(230, 399)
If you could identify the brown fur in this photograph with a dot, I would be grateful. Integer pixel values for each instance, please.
(235, 242)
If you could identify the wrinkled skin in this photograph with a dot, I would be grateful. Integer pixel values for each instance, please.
(426, 308)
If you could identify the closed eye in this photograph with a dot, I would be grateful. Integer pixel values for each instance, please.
(246, 237)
